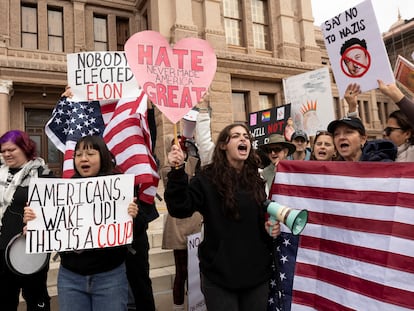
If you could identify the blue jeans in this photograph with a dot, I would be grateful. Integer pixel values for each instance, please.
(96, 292)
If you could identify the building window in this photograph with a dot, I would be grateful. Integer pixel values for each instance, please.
(55, 29)
(266, 101)
(387, 110)
(366, 111)
(29, 26)
(260, 20)
(240, 107)
(35, 121)
(144, 22)
(122, 32)
(337, 107)
(383, 112)
(100, 33)
(233, 22)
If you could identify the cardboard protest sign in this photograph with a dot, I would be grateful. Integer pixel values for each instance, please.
(81, 213)
(263, 123)
(404, 73)
(100, 76)
(355, 48)
(311, 98)
(175, 79)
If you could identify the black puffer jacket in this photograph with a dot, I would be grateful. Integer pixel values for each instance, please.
(379, 150)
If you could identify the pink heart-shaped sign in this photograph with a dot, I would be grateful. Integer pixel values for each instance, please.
(175, 79)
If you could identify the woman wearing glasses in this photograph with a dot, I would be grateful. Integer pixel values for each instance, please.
(400, 131)
(276, 148)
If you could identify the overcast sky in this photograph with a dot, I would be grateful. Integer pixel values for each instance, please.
(386, 11)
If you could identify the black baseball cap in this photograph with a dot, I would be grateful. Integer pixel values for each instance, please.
(299, 133)
(352, 122)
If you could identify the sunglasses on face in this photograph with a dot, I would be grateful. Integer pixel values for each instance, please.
(388, 130)
(275, 149)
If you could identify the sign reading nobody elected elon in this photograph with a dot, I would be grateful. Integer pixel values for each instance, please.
(79, 213)
(175, 79)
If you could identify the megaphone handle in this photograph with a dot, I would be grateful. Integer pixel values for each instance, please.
(273, 221)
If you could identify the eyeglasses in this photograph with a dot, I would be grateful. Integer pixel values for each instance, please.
(275, 149)
(388, 130)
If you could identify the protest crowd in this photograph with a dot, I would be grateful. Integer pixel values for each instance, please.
(229, 191)
(345, 140)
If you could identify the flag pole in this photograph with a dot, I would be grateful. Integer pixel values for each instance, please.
(175, 134)
(176, 140)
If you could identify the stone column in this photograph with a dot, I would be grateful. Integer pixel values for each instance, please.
(213, 28)
(183, 25)
(6, 90)
(310, 51)
(287, 40)
(79, 26)
(375, 119)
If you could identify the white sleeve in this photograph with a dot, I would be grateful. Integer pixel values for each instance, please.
(203, 138)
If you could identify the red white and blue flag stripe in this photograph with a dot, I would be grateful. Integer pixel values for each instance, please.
(123, 126)
(357, 250)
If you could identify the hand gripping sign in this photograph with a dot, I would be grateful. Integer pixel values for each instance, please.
(175, 79)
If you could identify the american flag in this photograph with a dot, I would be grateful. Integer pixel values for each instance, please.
(357, 250)
(123, 126)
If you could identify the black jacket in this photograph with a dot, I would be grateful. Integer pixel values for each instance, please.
(13, 216)
(235, 254)
(379, 150)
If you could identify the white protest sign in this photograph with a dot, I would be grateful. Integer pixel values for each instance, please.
(79, 213)
(356, 50)
(100, 76)
(195, 296)
(310, 97)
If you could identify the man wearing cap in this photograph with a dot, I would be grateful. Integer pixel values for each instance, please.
(276, 148)
(350, 140)
(300, 140)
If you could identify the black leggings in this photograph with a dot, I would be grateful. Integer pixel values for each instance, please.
(33, 286)
(181, 273)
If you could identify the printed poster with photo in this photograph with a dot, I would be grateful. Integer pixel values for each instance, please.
(356, 50)
(310, 96)
(404, 73)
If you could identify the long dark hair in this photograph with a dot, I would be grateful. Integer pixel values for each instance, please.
(404, 123)
(228, 181)
(108, 163)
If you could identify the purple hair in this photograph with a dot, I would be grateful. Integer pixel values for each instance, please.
(22, 140)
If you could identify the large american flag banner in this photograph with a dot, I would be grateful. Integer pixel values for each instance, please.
(123, 126)
(357, 250)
